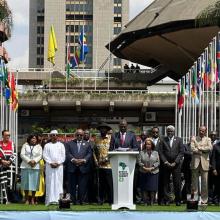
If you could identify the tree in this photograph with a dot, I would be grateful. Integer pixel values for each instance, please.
(210, 16)
(6, 16)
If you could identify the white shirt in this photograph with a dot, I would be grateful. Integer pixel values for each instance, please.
(171, 141)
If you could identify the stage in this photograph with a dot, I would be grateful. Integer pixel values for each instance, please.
(99, 215)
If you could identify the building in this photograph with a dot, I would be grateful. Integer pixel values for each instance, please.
(101, 20)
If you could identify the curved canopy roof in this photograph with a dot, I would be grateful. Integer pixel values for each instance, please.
(164, 34)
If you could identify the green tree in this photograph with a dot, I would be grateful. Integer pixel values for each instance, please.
(6, 16)
(210, 16)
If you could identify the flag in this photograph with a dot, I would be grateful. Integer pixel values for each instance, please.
(52, 46)
(14, 94)
(83, 46)
(218, 59)
(207, 81)
(1, 70)
(199, 78)
(194, 79)
(181, 94)
(8, 89)
(187, 84)
(75, 59)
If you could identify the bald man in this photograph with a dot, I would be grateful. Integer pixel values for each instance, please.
(171, 154)
(78, 158)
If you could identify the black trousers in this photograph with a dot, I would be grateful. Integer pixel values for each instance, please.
(160, 197)
(176, 173)
(105, 185)
(81, 180)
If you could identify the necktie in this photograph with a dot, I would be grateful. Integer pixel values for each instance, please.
(78, 145)
(122, 139)
(170, 142)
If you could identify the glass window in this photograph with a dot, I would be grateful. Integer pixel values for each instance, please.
(117, 10)
(117, 62)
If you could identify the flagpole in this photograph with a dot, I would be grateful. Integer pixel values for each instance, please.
(207, 93)
(109, 64)
(176, 110)
(203, 89)
(187, 107)
(184, 112)
(215, 80)
(212, 98)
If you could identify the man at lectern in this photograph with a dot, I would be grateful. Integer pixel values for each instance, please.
(123, 140)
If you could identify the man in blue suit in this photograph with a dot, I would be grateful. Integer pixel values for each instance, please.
(78, 156)
(123, 138)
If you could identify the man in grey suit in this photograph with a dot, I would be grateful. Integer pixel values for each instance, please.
(171, 154)
(201, 147)
(78, 156)
(123, 138)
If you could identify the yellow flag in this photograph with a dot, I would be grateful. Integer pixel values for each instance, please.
(52, 46)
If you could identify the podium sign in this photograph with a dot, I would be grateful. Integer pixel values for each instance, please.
(123, 165)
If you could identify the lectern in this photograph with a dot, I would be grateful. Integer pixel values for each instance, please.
(123, 165)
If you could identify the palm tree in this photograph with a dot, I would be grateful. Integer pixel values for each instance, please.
(209, 16)
(6, 17)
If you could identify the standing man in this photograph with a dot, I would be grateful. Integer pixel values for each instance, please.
(171, 153)
(78, 155)
(54, 156)
(7, 167)
(201, 147)
(101, 150)
(155, 133)
(123, 138)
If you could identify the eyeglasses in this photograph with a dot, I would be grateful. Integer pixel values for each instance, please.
(79, 135)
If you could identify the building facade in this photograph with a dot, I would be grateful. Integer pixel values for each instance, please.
(101, 21)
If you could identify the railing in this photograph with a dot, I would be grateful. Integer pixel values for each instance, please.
(23, 91)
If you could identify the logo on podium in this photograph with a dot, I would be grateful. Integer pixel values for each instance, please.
(122, 172)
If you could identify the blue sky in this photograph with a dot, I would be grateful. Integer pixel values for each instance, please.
(17, 46)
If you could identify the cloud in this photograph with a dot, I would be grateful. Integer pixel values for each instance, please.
(17, 46)
(20, 12)
(19, 61)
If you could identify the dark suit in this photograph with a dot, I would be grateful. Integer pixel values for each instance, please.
(172, 154)
(78, 174)
(129, 142)
(215, 162)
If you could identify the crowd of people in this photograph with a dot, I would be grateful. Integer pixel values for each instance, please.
(166, 169)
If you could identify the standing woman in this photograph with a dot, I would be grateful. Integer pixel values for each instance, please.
(148, 160)
(31, 154)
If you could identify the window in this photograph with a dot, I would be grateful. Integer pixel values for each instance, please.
(40, 18)
(117, 30)
(117, 10)
(117, 62)
(117, 19)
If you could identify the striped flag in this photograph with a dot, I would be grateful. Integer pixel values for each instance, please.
(181, 94)
(218, 59)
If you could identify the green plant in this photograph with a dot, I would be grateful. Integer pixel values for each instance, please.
(209, 16)
(6, 15)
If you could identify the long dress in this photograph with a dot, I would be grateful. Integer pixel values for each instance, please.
(54, 153)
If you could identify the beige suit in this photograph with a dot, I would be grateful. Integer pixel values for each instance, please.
(200, 165)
